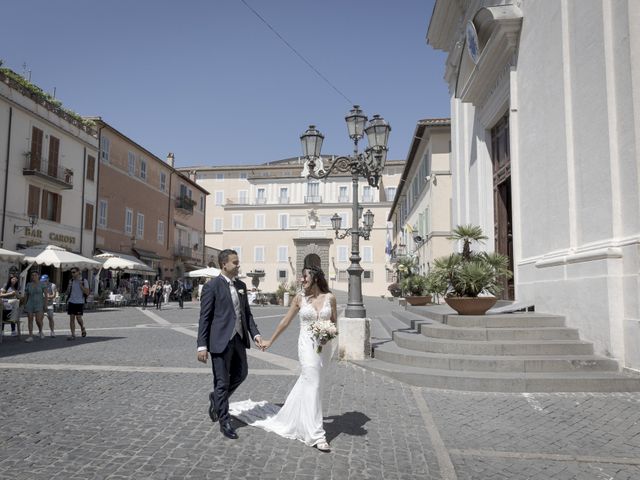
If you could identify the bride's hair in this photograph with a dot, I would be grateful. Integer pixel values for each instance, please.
(318, 278)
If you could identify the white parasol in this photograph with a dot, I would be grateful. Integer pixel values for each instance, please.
(209, 272)
(54, 256)
(125, 263)
(10, 256)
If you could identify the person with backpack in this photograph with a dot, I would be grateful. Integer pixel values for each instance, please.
(77, 292)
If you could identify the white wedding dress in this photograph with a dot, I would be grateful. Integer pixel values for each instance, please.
(300, 417)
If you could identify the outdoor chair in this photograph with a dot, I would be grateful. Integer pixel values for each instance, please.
(115, 299)
(6, 314)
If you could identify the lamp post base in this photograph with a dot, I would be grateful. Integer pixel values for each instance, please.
(354, 339)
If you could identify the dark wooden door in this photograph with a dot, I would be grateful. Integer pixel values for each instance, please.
(501, 159)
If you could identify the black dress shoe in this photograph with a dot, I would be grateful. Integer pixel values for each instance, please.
(227, 430)
(212, 409)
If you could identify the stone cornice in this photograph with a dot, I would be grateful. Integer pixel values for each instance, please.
(499, 51)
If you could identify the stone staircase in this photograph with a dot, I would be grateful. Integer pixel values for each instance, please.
(517, 352)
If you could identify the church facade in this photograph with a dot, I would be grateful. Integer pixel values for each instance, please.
(545, 101)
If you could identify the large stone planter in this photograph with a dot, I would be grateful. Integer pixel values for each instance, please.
(471, 305)
(418, 301)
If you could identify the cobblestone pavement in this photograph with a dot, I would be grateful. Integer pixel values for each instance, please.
(130, 401)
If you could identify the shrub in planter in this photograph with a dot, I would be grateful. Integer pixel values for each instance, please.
(415, 286)
(395, 289)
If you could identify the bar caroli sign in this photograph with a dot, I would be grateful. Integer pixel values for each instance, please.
(59, 238)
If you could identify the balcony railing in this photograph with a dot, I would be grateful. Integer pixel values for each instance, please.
(367, 198)
(343, 199)
(313, 199)
(52, 172)
(238, 201)
(261, 201)
(185, 252)
(185, 204)
(283, 199)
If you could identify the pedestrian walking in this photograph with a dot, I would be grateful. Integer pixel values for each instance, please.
(35, 304)
(166, 290)
(146, 291)
(180, 293)
(51, 292)
(158, 295)
(77, 291)
(11, 302)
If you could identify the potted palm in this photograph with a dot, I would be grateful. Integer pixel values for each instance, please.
(469, 281)
(416, 289)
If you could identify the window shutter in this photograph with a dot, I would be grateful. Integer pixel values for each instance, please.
(36, 148)
(58, 204)
(88, 217)
(45, 205)
(34, 200)
(91, 167)
(54, 149)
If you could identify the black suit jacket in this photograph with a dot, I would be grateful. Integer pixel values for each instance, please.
(217, 317)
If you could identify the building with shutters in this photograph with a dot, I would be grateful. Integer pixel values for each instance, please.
(276, 220)
(421, 211)
(48, 171)
(147, 208)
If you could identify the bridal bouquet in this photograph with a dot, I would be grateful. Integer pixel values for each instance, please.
(323, 331)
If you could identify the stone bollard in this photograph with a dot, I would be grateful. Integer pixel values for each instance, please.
(354, 338)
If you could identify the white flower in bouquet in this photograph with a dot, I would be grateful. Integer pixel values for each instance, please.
(323, 331)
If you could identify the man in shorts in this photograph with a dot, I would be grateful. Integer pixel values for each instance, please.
(77, 290)
(51, 292)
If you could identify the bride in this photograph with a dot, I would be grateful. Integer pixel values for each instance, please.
(300, 417)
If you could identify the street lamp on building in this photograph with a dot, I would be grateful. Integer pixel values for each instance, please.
(33, 221)
(370, 165)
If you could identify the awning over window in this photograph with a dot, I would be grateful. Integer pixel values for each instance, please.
(146, 254)
(192, 266)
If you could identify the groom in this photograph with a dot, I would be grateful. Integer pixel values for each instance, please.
(226, 324)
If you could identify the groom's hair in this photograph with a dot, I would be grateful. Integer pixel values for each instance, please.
(223, 256)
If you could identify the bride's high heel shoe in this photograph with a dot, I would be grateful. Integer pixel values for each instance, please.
(323, 446)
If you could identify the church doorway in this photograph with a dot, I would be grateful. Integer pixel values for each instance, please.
(501, 159)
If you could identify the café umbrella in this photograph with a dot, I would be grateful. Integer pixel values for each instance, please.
(54, 256)
(121, 263)
(58, 257)
(124, 263)
(209, 272)
(10, 256)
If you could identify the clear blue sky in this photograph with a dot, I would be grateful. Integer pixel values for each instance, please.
(210, 82)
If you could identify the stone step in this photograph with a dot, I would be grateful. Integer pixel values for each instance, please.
(392, 353)
(389, 323)
(505, 381)
(436, 330)
(413, 341)
(412, 320)
(438, 313)
(506, 320)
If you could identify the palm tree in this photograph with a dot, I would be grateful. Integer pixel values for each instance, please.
(468, 233)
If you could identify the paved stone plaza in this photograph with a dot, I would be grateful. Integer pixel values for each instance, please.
(130, 401)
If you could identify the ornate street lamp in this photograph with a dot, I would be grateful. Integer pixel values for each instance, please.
(369, 165)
